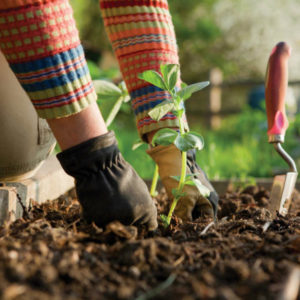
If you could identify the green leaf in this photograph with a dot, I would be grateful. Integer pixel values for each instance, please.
(189, 176)
(137, 144)
(126, 98)
(170, 74)
(181, 144)
(165, 137)
(183, 85)
(188, 141)
(177, 178)
(164, 218)
(107, 90)
(114, 111)
(178, 113)
(175, 113)
(203, 190)
(177, 99)
(124, 90)
(154, 78)
(194, 139)
(161, 110)
(187, 91)
(188, 179)
(123, 87)
(174, 192)
(190, 182)
(177, 194)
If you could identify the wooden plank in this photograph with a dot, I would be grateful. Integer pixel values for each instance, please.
(8, 204)
(48, 183)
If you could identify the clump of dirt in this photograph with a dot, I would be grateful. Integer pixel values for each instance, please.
(54, 254)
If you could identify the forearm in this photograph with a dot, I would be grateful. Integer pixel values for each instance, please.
(78, 128)
(40, 41)
(143, 38)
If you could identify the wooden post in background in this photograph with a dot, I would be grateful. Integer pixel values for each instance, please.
(215, 97)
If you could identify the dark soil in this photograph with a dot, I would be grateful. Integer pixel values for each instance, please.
(53, 254)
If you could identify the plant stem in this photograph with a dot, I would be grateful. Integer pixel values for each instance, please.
(183, 160)
(181, 126)
(183, 171)
(154, 182)
(182, 176)
(179, 188)
(114, 111)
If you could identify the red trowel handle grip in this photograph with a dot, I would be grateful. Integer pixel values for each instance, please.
(276, 87)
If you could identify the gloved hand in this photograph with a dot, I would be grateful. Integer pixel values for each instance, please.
(108, 188)
(168, 159)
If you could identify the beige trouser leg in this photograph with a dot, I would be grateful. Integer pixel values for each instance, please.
(25, 140)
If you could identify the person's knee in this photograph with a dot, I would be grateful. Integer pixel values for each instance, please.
(23, 151)
(25, 139)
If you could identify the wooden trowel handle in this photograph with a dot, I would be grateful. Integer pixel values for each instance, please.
(276, 87)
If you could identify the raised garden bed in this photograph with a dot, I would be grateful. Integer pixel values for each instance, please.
(52, 254)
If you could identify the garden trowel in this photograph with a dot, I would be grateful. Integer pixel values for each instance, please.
(276, 87)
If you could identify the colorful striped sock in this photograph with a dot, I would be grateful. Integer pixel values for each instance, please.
(143, 38)
(41, 43)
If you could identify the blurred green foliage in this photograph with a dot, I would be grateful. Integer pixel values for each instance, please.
(196, 31)
(91, 28)
(240, 147)
(126, 133)
(97, 73)
(234, 35)
(198, 37)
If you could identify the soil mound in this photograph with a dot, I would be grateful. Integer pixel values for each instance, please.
(51, 253)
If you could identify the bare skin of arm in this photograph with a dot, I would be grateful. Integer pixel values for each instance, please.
(78, 128)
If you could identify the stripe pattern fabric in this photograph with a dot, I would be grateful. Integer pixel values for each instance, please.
(40, 41)
(142, 36)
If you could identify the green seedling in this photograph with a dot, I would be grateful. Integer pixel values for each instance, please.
(153, 191)
(109, 91)
(184, 140)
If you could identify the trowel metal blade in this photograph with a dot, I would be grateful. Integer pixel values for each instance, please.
(281, 193)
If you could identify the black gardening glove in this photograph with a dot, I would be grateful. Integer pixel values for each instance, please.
(213, 197)
(108, 188)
